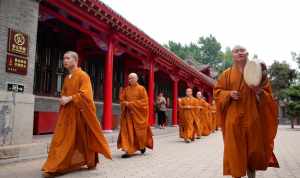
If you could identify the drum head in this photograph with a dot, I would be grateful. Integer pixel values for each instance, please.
(253, 73)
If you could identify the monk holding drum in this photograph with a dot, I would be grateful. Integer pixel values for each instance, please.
(248, 115)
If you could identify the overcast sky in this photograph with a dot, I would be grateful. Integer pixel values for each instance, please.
(268, 28)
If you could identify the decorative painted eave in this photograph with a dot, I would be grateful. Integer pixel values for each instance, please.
(119, 24)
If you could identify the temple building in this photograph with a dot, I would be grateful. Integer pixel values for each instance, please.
(34, 34)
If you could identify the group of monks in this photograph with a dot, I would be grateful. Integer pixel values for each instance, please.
(247, 116)
(78, 137)
(196, 117)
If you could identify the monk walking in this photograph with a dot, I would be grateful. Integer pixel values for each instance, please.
(203, 115)
(248, 120)
(188, 116)
(78, 137)
(135, 132)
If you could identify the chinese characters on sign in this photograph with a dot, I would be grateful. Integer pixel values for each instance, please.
(17, 61)
(16, 64)
(17, 43)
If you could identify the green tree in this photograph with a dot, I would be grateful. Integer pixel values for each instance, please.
(207, 50)
(210, 51)
(281, 76)
(296, 57)
(177, 48)
(292, 95)
(227, 59)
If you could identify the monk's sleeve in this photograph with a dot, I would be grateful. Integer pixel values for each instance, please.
(222, 98)
(122, 98)
(85, 94)
(141, 103)
(268, 110)
(221, 93)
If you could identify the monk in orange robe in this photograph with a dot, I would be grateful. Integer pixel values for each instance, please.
(135, 132)
(212, 118)
(214, 115)
(188, 106)
(78, 137)
(203, 114)
(248, 119)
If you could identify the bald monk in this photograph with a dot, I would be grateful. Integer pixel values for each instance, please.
(135, 132)
(78, 137)
(248, 120)
(188, 106)
(198, 120)
(203, 115)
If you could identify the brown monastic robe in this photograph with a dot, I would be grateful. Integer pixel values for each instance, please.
(188, 117)
(78, 136)
(214, 117)
(135, 132)
(198, 121)
(204, 117)
(249, 124)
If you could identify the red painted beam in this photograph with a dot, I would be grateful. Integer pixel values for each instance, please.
(78, 13)
(66, 21)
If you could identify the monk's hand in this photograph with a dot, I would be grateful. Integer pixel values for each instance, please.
(256, 89)
(126, 103)
(65, 100)
(188, 107)
(235, 95)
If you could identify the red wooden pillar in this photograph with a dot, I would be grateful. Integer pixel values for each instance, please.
(175, 98)
(108, 79)
(151, 92)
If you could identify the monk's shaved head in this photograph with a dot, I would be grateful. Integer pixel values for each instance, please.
(132, 78)
(199, 94)
(189, 92)
(239, 54)
(133, 75)
(237, 47)
(70, 60)
(72, 54)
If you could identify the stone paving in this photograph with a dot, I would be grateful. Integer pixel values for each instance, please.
(172, 158)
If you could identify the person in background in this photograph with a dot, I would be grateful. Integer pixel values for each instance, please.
(161, 103)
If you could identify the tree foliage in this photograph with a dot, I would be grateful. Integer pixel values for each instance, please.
(281, 77)
(207, 50)
(227, 59)
(292, 97)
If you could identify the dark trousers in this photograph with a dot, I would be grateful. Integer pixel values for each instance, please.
(162, 118)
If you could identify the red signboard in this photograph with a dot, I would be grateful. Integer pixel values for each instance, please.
(15, 64)
(17, 43)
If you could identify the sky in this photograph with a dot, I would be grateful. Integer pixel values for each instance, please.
(268, 28)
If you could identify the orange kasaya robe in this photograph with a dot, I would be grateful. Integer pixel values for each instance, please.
(210, 119)
(188, 118)
(214, 117)
(135, 132)
(78, 136)
(198, 121)
(204, 117)
(249, 124)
